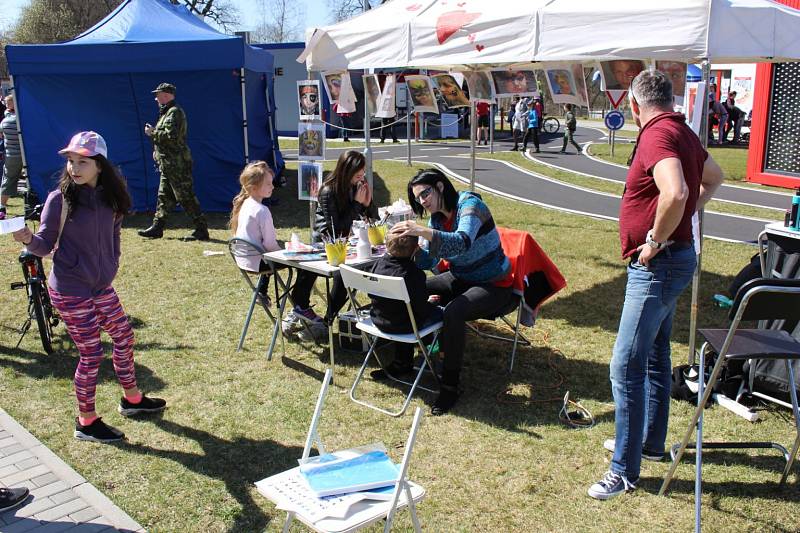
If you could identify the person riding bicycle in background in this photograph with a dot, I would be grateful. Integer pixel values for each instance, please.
(82, 220)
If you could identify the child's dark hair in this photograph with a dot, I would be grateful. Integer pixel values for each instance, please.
(432, 176)
(401, 246)
(114, 189)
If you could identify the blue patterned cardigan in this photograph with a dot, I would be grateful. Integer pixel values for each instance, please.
(473, 247)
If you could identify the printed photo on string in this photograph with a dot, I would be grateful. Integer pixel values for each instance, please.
(311, 141)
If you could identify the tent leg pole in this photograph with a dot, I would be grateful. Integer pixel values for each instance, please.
(491, 128)
(472, 146)
(367, 139)
(244, 116)
(699, 245)
(408, 124)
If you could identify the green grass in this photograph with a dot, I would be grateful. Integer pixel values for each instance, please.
(498, 463)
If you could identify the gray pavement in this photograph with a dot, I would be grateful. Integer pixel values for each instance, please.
(60, 499)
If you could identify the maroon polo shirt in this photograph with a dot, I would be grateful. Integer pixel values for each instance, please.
(665, 136)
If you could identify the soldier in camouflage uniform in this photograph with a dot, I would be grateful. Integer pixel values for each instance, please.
(174, 161)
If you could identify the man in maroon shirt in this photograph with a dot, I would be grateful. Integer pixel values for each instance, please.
(670, 177)
(482, 111)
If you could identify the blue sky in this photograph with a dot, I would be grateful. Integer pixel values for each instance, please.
(316, 11)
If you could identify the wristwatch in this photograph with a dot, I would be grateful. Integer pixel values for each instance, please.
(652, 243)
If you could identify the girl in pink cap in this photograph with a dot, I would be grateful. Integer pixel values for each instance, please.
(81, 221)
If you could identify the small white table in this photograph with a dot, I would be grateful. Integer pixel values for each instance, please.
(320, 268)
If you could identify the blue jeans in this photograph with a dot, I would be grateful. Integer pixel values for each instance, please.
(640, 366)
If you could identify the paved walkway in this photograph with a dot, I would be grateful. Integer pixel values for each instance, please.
(61, 499)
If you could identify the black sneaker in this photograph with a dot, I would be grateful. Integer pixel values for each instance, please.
(446, 400)
(10, 498)
(97, 431)
(147, 405)
(395, 370)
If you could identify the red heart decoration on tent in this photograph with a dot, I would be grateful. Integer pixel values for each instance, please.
(414, 7)
(471, 37)
(479, 47)
(452, 21)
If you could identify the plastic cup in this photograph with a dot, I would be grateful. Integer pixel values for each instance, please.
(377, 235)
(336, 253)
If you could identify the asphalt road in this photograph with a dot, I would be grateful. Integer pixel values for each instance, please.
(515, 182)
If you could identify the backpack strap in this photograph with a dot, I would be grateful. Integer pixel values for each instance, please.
(64, 213)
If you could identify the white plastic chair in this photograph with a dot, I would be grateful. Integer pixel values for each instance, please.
(363, 513)
(392, 288)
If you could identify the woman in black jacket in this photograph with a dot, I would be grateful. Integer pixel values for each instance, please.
(345, 196)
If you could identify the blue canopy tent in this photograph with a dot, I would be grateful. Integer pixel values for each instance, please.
(102, 80)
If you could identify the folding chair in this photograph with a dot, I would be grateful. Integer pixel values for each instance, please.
(526, 257)
(361, 514)
(393, 288)
(242, 248)
(759, 299)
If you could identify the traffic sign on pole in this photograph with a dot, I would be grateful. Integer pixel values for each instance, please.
(615, 96)
(614, 120)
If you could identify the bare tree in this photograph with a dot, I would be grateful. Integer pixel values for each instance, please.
(50, 21)
(344, 9)
(221, 12)
(280, 21)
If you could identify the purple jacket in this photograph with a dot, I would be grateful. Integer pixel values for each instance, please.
(87, 258)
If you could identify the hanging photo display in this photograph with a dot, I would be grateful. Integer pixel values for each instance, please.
(333, 84)
(617, 75)
(566, 83)
(347, 97)
(514, 83)
(676, 72)
(372, 91)
(450, 90)
(386, 105)
(309, 180)
(308, 99)
(311, 141)
(481, 87)
(421, 92)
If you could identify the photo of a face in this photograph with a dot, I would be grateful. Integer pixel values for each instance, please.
(676, 72)
(333, 84)
(561, 82)
(514, 82)
(421, 92)
(308, 99)
(619, 74)
(480, 85)
(450, 91)
(373, 91)
(309, 180)
(311, 141)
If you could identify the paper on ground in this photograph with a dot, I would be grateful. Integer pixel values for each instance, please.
(12, 224)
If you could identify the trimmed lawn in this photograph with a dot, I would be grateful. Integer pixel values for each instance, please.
(501, 461)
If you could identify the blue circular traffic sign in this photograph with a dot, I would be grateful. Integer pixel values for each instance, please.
(614, 120)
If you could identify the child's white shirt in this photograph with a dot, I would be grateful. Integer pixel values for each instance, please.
(255, 225)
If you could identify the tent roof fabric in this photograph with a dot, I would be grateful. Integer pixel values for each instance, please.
(496, 33)
(141, 36)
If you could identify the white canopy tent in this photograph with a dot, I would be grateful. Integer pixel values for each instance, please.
(434, 34)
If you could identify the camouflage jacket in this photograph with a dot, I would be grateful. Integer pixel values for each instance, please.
(169, 134)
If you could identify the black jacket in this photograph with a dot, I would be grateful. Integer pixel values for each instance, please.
(328, 213)
(391, 316)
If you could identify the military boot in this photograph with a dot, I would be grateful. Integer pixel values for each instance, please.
(155, 231)
(200, 233)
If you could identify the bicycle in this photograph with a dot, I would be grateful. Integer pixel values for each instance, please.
(40, 308)
(550, 125)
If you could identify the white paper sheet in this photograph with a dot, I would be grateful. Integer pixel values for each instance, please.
(12, 224)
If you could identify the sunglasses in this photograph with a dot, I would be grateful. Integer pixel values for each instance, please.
(424, 194)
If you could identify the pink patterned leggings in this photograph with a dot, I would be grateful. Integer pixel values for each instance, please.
(84, 318)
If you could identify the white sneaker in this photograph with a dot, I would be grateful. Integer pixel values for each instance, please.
(290, 324)
(610, 445)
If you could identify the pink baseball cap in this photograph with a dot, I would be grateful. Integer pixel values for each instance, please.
(87, 144)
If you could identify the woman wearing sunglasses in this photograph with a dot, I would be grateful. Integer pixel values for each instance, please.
(477, 285)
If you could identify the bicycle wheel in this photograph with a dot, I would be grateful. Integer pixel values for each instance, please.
(551, 125)
(42, 318)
